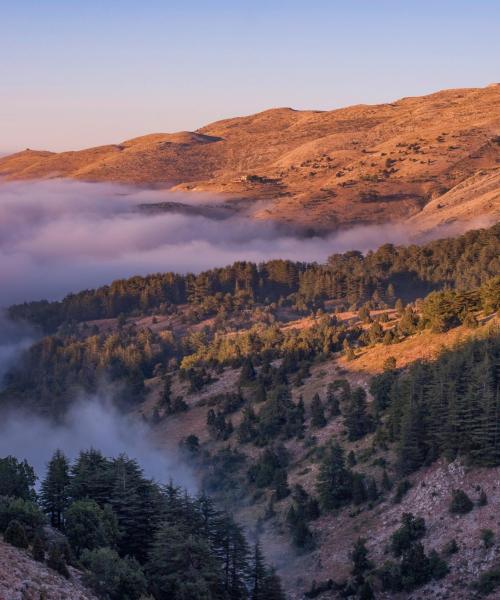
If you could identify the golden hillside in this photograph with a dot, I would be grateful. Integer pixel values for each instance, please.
(324, 169)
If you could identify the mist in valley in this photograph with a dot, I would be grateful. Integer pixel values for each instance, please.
(61, 236)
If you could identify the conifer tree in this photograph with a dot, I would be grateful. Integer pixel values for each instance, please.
(334, 483)
(258, 575)
(317, 412)
(54, 495)
(357, 419)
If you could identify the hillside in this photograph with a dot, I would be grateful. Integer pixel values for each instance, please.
(261, 379)
(319, 169)
(22, 578)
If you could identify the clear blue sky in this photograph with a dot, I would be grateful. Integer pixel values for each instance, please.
(80, 73)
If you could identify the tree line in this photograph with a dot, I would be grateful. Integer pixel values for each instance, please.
(350, 278)
(129, 535)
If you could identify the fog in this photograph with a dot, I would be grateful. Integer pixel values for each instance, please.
(14, 338)
(61, 236)
(91, 422)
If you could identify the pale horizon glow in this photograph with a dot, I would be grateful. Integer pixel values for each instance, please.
(76, 75)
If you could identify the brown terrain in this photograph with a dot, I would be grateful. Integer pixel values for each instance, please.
(434, 159)
(22, 578)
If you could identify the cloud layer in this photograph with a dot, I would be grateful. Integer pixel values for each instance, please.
(92, 422)
(62, 236)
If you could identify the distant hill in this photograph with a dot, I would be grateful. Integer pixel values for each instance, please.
(323, 169)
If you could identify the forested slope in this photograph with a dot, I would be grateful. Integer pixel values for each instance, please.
(355, 480)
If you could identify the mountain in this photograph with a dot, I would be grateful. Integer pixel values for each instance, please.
(432, 158)
(323, 403)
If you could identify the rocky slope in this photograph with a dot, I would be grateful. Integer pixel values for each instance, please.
(22, 578)
(320, 169)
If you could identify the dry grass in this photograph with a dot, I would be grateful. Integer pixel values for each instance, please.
(318, 169)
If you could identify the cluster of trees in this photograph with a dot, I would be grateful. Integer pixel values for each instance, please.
(326, 335)
(338, 485)
(449, 407)
(462, 262)
(52, 367)
(412, 567)
(130, 535)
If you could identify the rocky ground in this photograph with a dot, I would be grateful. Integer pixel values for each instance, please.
(22, 578)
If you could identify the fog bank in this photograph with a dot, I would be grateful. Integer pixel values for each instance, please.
(14, 338)
(92, 422)
(62, 236)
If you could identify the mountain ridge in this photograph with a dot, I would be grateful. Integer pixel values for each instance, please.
(362, 164)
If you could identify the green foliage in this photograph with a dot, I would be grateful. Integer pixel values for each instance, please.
(460, 503)
(271, 463)
(463, 262)
(57, 561)
(317, 412)
(38, 549)
(181, 566)
(334, 483)
(302, 510)
(88, 526)
(54, 496)
(447, 407)
(112, 577)
(25, 512)
(15, 534)
(360, 560)
(357, 419)
(487, 537)
(488, 581)
(450, 547)
(412, 529)
(17, 478)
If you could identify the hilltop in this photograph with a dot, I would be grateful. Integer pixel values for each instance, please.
(432, 158)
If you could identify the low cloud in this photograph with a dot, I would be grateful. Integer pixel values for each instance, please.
(14, 339)
(62, 236)
(92, 422)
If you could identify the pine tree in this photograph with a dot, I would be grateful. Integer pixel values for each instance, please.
(54, 496)
(360, 560)
(281, 488)
(258, 575)
(182, 565)
(247, 374)
(317, 412)
(334, 483)
(273, 588)
(411, 453)
(357, 420)
(332, 400)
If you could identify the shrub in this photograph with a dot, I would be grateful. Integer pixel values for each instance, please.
(450, 548)
(113, 577)
(15, 534)
(488, 581)
(438, 567)
(38, 550)
(56, 560)
(487, 537)
(412, 529)
(403, 487)
(24, 511)
(460, 503)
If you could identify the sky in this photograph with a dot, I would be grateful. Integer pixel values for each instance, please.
(79, 74)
